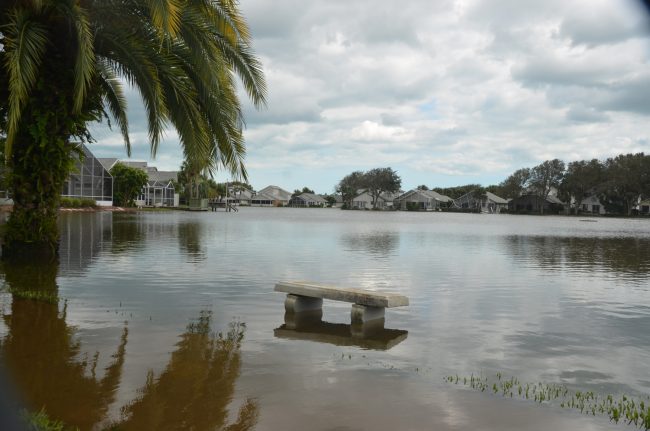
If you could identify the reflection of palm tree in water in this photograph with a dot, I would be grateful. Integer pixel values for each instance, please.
(43, 356)
(46, 364)
(197, 386)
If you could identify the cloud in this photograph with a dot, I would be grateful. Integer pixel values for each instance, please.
(444, 92)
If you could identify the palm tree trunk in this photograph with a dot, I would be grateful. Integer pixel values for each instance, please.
(40, 162)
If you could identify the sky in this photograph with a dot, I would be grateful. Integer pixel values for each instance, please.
(444, 92)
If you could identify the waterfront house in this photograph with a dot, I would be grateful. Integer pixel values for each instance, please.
(159, 190)
(89, 180)
(271, 196)
(307, 200)
(384, 201)
(532, 202)
(421, 200)
(486, 202)
(644, 207)
(590, 204)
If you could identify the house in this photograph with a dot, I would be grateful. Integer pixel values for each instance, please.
(159, 190)
(89, 180)
(591, 204)
(307, 200)
(486, 202)
(421, 200)
(271, 196)
(644, 207)
(384, 201)
(533, 203)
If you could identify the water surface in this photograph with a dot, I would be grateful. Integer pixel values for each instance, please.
(168, 320)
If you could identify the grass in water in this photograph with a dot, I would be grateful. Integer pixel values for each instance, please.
(35, 295)
(619, 408)
(40, 421)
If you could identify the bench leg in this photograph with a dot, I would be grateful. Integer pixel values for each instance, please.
(298, 304)
(364, 313)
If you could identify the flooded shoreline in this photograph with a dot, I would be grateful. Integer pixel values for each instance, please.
(144, 306)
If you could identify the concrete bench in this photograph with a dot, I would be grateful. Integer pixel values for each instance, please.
(366, 305)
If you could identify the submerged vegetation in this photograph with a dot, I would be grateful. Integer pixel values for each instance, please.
(619, 408)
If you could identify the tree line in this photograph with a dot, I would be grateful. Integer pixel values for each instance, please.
(618, 182)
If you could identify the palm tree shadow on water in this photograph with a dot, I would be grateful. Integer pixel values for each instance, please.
(197, 386)
(43, 359)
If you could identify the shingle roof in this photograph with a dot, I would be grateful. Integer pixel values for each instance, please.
(276, 193)
(162, 175)
(496, 199)
(312, 197)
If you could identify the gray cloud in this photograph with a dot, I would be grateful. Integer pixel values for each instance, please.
(445, 92)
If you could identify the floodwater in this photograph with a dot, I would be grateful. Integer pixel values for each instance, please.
(168, 320)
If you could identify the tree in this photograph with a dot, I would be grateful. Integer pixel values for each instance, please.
(628, 179)
(513, 186)
(350, 186)
(546, 176)
(381, 180)
(580, 178)
(331, 200)
(298, 192)
(127, 184)
(62, 66)
(422, 187)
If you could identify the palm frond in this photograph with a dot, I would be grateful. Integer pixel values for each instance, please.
(25, 43)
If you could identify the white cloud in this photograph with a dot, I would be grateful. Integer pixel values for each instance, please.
(444, 92)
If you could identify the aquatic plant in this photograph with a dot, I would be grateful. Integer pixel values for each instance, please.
(40, 421)
(619, 408)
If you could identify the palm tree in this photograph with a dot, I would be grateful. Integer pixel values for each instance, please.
(63, 64)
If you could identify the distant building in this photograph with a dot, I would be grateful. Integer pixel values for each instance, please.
(644, 207)
(591, 205)
(486, 202)
(422, 200)
(307, 200)
(159, 190)
(271, 196)
(384, 201)
(89, 180)
(533, 203)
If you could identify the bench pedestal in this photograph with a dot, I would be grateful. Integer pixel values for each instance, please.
(364, 313)
(298, 304)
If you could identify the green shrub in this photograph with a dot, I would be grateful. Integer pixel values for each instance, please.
(412, 206)
(77, 203)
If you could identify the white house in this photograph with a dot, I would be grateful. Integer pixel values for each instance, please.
(591, 204)
(307, 200)
(271, 196)
(384, 201)
(423, 200)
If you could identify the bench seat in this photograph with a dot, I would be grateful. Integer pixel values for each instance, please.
(367, 305)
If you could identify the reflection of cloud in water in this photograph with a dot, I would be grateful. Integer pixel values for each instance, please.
(628, 257)
(379, 244)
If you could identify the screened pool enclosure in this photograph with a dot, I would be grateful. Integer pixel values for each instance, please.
(89, 180)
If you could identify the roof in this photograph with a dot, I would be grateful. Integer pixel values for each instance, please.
(134, 164)
(311, 197)
(263, 196)
(428, 194)
(162, 176)
(276, 193)
(496, 199)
